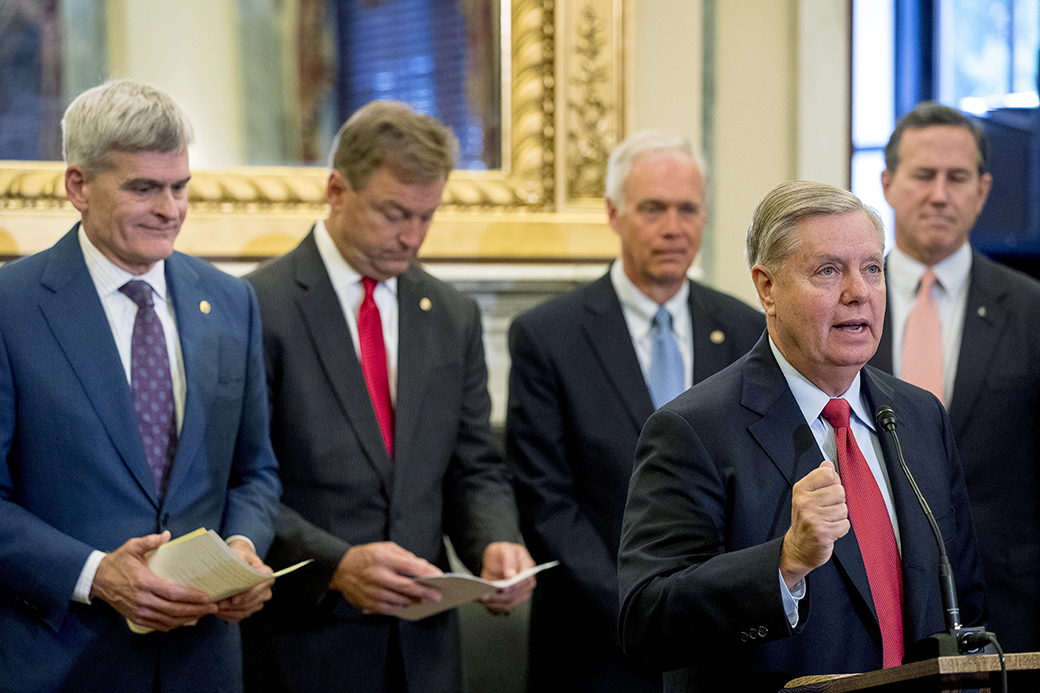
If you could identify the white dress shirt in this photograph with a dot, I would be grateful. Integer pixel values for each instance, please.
(347, 284)
(639, 310)
(811, 400)
(950, 293)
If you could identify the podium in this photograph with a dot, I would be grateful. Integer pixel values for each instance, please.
(965, 672)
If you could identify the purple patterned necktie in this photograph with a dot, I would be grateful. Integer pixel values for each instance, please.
(152, 385)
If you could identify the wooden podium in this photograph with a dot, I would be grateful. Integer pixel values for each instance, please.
(975, 672)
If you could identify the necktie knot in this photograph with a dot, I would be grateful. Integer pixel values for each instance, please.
(662, 319)
(370, 286)
(837, 412)
(928, 280)
(138, 291)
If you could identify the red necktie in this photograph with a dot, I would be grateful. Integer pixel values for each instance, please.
(373, 363)
(873, 526)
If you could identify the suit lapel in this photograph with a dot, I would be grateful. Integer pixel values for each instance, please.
(789, 442)
(413, 357)
(918, 551)
(709, 356)
(985, 317)
(200, 351)
(76, 318)
(606, 330)
(327, 328)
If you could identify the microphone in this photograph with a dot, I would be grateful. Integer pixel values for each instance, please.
(957, 639)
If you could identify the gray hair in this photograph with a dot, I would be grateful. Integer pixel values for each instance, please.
(419, 149)
(930, 113)
(619, 165)
(123, 116)
(770, 235)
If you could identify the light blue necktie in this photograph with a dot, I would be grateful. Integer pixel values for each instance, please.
(667, 377)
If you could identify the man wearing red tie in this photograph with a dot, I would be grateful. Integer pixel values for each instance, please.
(770, 532)
(965, 328)
(380, 411)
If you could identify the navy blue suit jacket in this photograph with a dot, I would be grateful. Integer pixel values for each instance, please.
(996, 422)
(74, 475)
(708, 507)
(343, 489)
(577, 401)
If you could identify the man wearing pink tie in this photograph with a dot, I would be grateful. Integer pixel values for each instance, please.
(967, 329)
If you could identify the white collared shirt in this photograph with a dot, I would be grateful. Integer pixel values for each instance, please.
(639, 310)
(950, 293)
(346, 282)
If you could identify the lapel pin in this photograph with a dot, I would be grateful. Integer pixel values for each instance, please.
(425, 303)
(982, 311)
(205, 307)
(717, 336)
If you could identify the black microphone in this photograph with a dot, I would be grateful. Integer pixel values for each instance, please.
(957, 639)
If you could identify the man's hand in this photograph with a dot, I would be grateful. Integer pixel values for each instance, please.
(244, 604)
(125, 582)
(819, 517)
(503, 560)
(377, 578)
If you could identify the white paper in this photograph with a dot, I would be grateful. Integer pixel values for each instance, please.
(460, 588)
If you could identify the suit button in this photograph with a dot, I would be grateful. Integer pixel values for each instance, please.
(165, 522)
(762, 631)
(743, 637)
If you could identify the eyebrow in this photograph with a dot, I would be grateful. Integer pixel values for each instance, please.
(152, 182)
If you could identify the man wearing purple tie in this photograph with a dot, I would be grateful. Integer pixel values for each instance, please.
(132, 409)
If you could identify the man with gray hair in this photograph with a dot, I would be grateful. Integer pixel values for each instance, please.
(966, 328)
(380, 417)
(588, 368)
(737, 566)
(132, 409)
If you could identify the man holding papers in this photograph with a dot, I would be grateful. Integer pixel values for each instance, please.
(132, 409)
(380, 413)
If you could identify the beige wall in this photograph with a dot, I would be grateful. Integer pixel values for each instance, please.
(780, 108)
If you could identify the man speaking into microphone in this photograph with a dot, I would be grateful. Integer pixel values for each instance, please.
(770, 532)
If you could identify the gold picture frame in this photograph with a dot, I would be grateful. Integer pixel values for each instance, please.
(563, 110)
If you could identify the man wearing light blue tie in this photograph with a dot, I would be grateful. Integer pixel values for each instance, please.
(588, 368)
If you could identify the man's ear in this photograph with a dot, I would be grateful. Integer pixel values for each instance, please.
(765, 282)
(77, 189)
(336, 187)
(612, 214)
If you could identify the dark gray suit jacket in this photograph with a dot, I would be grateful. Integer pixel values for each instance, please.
(709, 504)
(577, 401)
(342, 489)
(996, 422)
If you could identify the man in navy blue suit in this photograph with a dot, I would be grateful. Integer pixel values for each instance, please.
(580, 391)
(752, 537)
(87, 487)
(987, 362)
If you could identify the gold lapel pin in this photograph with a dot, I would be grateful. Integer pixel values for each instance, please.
(717, 336)
(425, 303)
(982, 311)
(205, 307)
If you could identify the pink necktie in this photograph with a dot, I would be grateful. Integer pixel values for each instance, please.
(922, 343)
(873, 527)
(373, 363)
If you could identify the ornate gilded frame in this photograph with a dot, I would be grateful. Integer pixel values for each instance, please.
(563, 72)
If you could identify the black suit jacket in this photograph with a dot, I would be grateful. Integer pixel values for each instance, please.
(342, 489)
(709, 504)
(577, 401)
(996, 422)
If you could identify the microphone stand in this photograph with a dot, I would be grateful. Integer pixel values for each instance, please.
(958, 639)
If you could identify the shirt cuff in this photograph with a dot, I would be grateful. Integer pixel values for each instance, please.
(81, 593)
(791, 598)
(243, 538)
